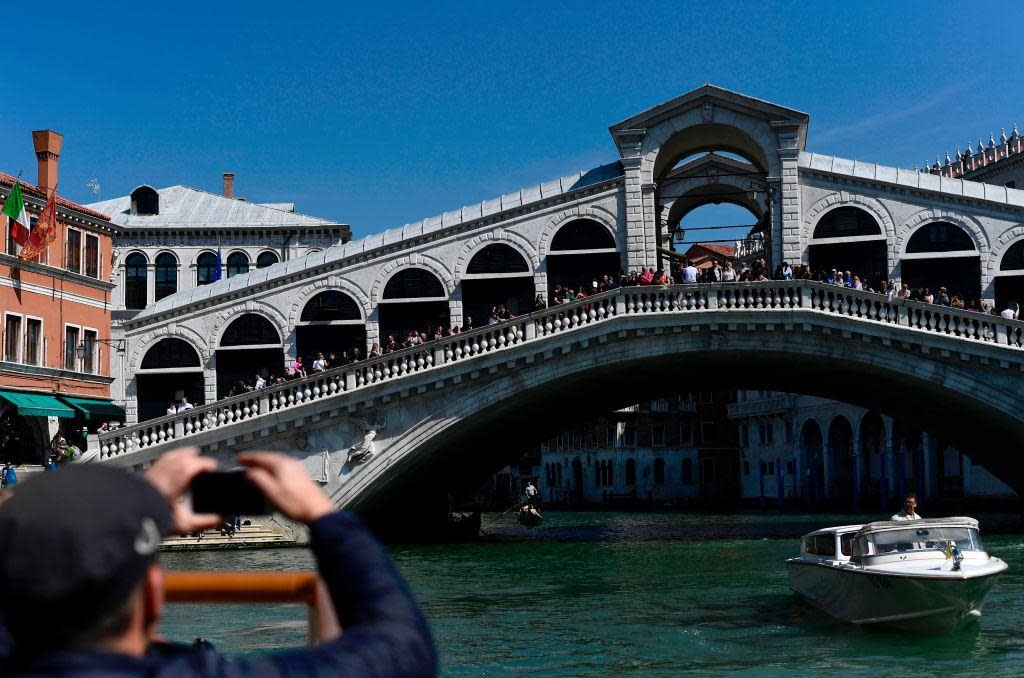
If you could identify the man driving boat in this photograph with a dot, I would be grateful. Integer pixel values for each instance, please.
(909, 511)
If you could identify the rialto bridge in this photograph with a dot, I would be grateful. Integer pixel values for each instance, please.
(710, 145)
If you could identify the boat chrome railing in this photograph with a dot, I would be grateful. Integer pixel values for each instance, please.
(773, 295)
(259, 587)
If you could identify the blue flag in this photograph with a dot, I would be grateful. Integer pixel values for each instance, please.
(220, 266)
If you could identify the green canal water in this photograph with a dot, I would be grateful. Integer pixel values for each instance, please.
(614, 593)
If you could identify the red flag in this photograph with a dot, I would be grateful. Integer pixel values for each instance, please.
(44, 233)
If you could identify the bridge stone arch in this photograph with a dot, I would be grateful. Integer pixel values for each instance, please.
(471, 410)
(498, 235)
(593, 212)
(845, 199)
(280, 323)
(415, 260)
(1003, 242)
(333, 283)
(927, 216)
(183, 332)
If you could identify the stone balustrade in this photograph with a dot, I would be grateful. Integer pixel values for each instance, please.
(806, 296)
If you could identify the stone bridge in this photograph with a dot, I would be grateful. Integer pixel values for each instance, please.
(394, 432)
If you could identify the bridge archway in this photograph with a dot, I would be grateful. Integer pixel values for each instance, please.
(1009, 280)
(170, 369)
(812, 462)
(414, 299)
(943, 254)
(581, 250)
(250, 345)
(873, 477)
(849, 238)
(839, 459)
(330, 322)
(497, 275)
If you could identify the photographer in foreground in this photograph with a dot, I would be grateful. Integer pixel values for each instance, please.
(83, 593)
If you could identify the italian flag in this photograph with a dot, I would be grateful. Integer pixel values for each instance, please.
(14, 208)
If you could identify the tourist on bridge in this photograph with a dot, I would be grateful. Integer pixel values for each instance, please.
(298, 370)
(319, 365)
(84, 597)
(260, 382)
(909, 511)
(690, 273)
(185, 405)
(172, 408)
(1011, 312)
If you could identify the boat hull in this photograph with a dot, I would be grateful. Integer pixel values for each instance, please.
(921, 603)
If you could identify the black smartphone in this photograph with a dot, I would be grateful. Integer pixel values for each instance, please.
(227, 493)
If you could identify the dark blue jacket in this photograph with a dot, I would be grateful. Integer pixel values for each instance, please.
(383, 632)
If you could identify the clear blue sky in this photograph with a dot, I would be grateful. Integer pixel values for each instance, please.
(377, 115)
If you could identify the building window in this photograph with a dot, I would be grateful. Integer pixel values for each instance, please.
(705, 397)
(789, 431)
(790, 468)
(659, 471)
(604, 473)
(629, 433)
(658, 432)
(707, 432)
(238, 263)
(206, 268)
(686, 433)
(767, 432)
(89, 357)
(135, 281)
(92, 256)
(558, 474)
(630, 472)
(687, 471)
(266, 259)
(73, 256)
(771, 468)
(71, 335)
(33, 338)
(744, 434)
(746, 467)
(12, 339)
(166, 275)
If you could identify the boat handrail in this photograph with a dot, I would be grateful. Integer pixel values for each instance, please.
(259, 587)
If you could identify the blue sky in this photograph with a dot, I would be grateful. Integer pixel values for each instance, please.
(377, 115)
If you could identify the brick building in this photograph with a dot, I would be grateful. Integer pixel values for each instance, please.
(55, 367)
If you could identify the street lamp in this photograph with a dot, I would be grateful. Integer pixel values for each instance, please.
(84, 348)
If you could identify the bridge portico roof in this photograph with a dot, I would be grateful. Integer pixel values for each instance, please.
(341, 254)
(1012, 198)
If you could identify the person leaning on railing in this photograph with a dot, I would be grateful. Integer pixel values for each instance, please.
(83, 593)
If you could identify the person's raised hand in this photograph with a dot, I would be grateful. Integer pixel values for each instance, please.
(286, 484)
(171, 475)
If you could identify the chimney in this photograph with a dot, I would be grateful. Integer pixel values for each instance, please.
(229, 184)
(48, 144)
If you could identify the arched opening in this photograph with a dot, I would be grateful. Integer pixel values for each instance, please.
(908, 460)
(414, 299)
(497, 275)
(250, 345)
(206, 268)
(22, 439)
(577, 480)
(582, 251)
(1010, 278)
(871, 466)
(840, 460)
(331, 323)
(238, 263)
(850, 239)
(166, 275)
(706, 229)
(687, 472)
(630, 472)
(145, 201)
(941, 254)
(659, 471)
(135, 283)
(812, 462)
(171, 370)
(266, 259)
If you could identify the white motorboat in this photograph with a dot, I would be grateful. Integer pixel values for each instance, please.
(928, 575)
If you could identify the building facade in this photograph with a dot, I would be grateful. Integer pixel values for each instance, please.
(807, 452)
(55, 369)
(177, 239)
(675, 451)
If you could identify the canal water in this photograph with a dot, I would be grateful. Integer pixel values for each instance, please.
(612, 593)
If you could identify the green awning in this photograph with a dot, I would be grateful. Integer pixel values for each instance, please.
(35, 405)
(96, 410)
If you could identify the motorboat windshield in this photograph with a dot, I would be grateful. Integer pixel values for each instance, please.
(921, 535)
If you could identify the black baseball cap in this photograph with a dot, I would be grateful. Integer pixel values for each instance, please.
(75, 544)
